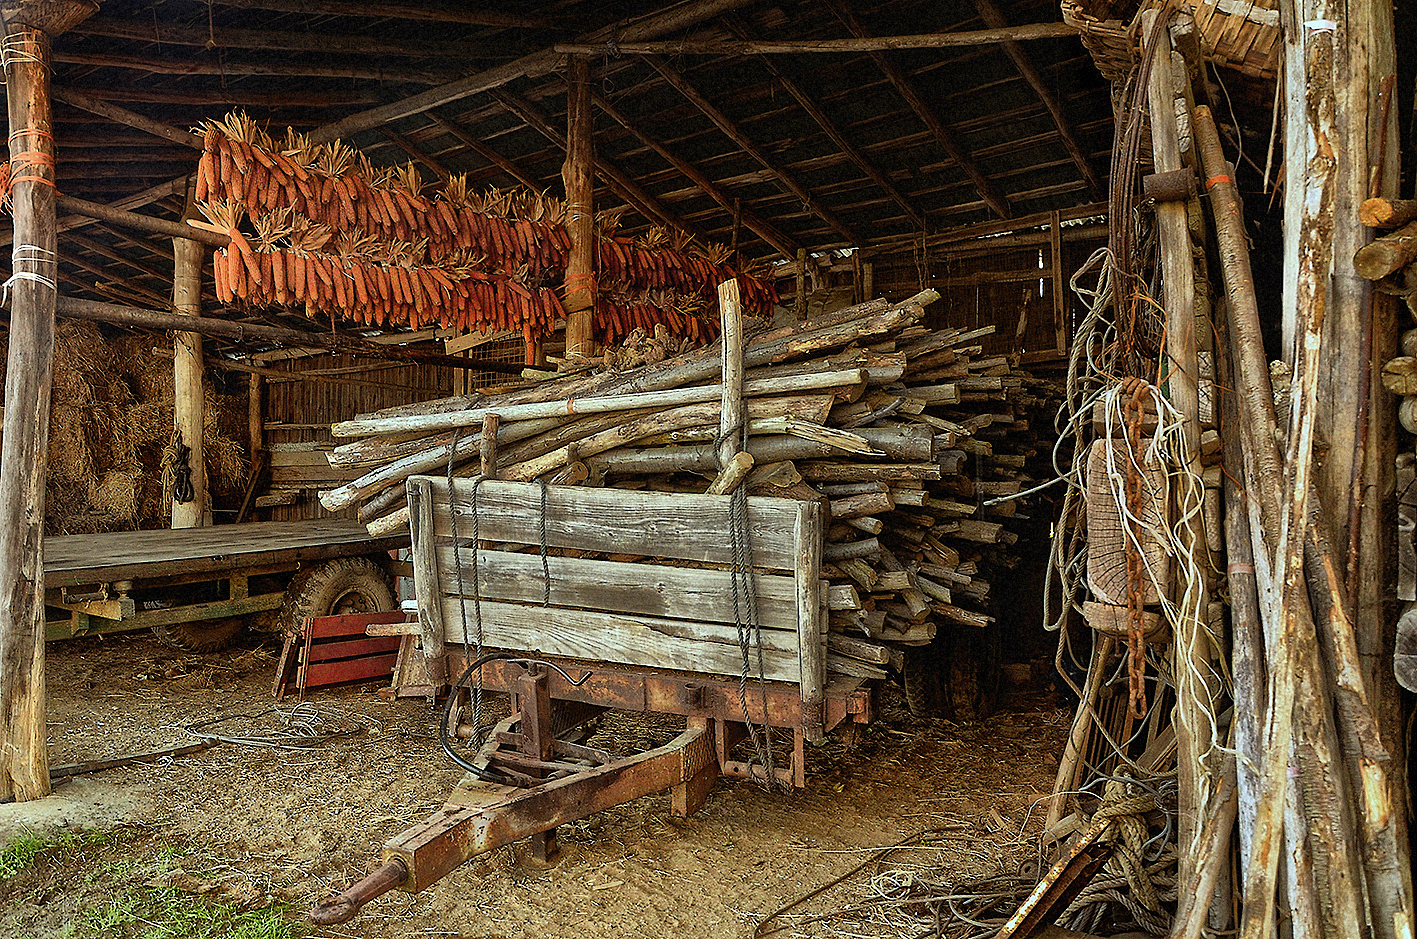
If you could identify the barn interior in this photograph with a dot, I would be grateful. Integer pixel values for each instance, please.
(1025, 290)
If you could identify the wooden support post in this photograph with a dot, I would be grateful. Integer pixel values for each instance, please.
(578, 177)
(24, 762)
(801, 300)
(1192, 649)
(187, 391)
(731, 415)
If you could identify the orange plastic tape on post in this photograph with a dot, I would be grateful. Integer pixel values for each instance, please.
(1216, 180)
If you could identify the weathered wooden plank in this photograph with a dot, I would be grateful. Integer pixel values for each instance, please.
(688, 593)
(80, 559)
(425, 566)
(353, 647)
(628, 640)
(353, 624)
(811, 615)
(655, 524)
(365, 669)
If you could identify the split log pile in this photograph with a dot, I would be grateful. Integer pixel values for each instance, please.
(319, 229)
(902, 430)
(1390, 261)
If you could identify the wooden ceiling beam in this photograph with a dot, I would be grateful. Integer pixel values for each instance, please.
(403, 143)
(228, 96)
(732, 131)
(907, 90)
(103, 250)
(97, 271)
(743, 46)
(762, 229)
(995, 18)
(619, 183)
(275, 40)
(123, 116)
(167, 65)
(834, 132)
(467, 14)
(461, 135)
(662, 23)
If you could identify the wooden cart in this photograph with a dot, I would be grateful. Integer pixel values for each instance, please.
(194, 586)
(599, 599)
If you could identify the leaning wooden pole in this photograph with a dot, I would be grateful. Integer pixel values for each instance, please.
(578, 176)
(190, 506)
(24, 762)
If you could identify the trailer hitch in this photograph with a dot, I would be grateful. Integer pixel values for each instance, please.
(342, 907)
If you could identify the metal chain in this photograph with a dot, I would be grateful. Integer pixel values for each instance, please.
(749, 630)
(475, 639)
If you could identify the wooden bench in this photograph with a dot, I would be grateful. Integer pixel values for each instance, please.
(630, 579)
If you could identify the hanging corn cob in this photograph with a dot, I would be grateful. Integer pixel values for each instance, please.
(334, 235)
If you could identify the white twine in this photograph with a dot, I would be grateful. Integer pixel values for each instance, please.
(30, 254)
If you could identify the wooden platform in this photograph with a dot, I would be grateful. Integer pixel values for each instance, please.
(125, 555)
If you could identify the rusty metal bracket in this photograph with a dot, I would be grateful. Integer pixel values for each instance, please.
(1064, 881)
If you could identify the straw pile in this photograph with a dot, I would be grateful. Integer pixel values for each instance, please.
(110, 423)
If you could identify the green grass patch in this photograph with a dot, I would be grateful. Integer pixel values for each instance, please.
(21, 853)
(166, 913)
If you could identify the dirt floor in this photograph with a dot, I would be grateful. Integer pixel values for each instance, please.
(278, 825)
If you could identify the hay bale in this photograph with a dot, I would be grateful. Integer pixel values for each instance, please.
(116, 497)
(71, 461)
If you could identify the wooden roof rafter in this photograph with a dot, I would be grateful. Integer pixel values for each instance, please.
(907, 90)
(735, 133)
(461, 135)
(276, 40)
(228, 67)
(672, 19)
(830, 128)
(615, 178)
(404, 144)
(465, 14)
(995, 18)
(774, 238)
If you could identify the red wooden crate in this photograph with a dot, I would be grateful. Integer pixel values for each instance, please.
(332, 650)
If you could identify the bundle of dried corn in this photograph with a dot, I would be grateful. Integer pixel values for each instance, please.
(330, 234)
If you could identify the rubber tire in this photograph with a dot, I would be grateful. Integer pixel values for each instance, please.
(971, 681)
(920, 674)
(340, 586)
(205, 636)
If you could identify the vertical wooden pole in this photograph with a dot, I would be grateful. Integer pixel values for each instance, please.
(1059, 282)
(578, 177)
(1192, 652)
(732, 411)
(801, 304)
(24, 762)
(188, 395)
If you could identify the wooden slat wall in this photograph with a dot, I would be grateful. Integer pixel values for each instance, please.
(991, 284)
(309, 407)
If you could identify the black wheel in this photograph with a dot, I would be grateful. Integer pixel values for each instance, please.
(924, 693)
(335, 588)
(206, 636)
(971, 683)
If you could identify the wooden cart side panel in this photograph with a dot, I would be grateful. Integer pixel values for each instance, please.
(622, 639)
(688, 593)
(677, 526)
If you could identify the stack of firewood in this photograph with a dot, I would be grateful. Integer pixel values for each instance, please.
(319, 229)
(903, 431)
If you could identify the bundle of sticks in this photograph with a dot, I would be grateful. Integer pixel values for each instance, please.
(385, 250)
(893, 425)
